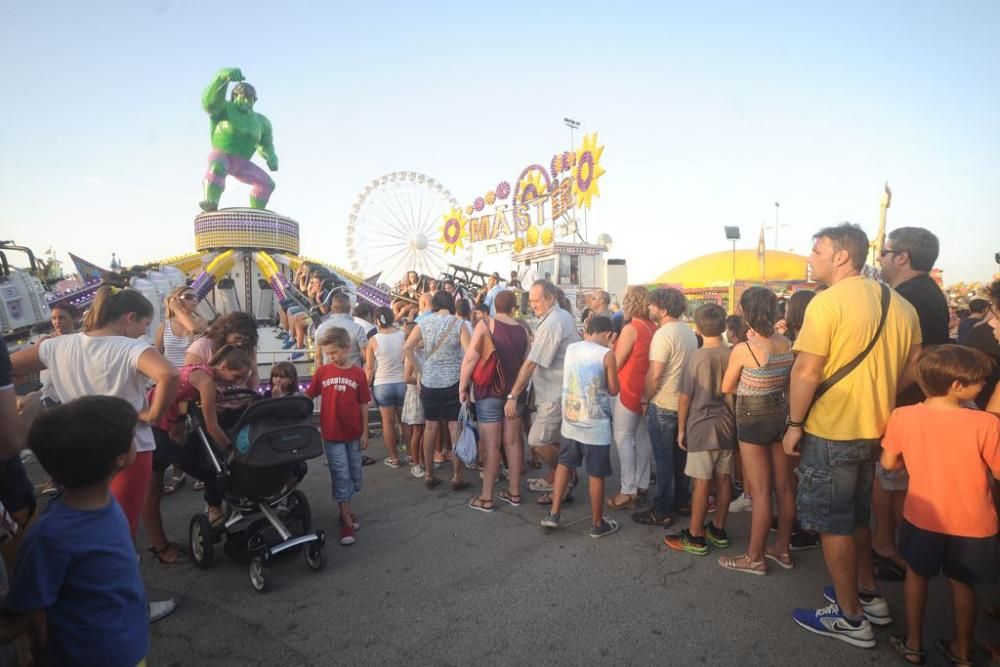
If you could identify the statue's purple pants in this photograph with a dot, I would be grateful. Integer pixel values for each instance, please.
(242, 170)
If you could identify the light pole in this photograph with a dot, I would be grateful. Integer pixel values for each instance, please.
(572, 125)
(575, 125)
(777, 206)
(733, 234)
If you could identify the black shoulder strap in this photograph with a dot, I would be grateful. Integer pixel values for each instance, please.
(750, 349)
(845, 371)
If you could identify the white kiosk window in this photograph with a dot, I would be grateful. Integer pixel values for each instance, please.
(569, 270)
(546, 269)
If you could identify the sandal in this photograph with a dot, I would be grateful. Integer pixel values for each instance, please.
(513, 501)
(540, 485)
(198, 486)
(179, 558)
(457, 484)
(944, 646)
(176, 482)
(216, 517)
(546, 499)
(431, 482)
(627, 504)
(784, 560)
(651, 518)
(481, 504)
(912, 656)
(750, 567)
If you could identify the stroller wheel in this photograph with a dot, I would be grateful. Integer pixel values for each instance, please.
(201, 541)
(316, 555)
(298, 508)
(259, 574)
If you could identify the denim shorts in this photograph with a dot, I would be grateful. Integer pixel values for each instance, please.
(596, 457)
(390, 395)
(489, 410)
(835, 484)
(761, 420)
(892, 480)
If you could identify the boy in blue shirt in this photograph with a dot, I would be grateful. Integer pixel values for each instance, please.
(78, 563)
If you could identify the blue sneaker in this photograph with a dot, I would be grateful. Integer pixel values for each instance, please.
(830, 622)
(288, 344)
(875, 607)
(295, 356)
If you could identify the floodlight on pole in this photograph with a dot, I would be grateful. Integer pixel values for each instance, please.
(732, 234)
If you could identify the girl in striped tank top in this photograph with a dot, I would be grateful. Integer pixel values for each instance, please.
(758, 374)
(181, 325)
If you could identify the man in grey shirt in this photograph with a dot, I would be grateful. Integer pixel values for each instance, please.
(544, 367)
(340, 304)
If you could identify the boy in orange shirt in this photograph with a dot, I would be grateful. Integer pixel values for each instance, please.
(949, 519)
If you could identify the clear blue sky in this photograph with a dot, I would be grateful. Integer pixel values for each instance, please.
(710, 112)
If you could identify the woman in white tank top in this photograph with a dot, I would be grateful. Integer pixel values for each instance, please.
(180, 326)
(384, 368)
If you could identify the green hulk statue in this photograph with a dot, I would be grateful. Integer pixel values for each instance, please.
(237, 133)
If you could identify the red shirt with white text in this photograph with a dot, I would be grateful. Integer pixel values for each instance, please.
(344, 392)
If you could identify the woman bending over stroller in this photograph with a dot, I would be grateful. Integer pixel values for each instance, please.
(230, 365)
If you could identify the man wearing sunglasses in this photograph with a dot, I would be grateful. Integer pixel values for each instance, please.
(906, 262)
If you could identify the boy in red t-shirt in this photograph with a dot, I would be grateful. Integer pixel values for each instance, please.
(949, 520)
(343, 419)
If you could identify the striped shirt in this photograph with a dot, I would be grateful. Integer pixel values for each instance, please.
(671, 345)
(770, 378)
(175, 347)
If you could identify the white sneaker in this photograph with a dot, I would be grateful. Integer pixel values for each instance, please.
(742, 504)
(874, 606)
(161, 609)
(417, 471)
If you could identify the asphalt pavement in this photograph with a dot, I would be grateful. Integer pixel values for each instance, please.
(431, 582)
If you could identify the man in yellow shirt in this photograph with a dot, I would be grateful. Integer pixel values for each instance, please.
(837, 440)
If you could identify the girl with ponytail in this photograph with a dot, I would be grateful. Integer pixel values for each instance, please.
(111, 358)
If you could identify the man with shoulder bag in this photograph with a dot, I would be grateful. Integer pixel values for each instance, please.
(855, 350)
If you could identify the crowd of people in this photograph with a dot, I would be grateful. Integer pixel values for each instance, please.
(858, 404)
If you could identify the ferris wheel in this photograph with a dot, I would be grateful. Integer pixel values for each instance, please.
(395, 226)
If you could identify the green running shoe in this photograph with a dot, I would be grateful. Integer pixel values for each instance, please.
(685, 541)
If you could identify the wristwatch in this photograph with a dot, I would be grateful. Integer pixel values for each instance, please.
(511, 397)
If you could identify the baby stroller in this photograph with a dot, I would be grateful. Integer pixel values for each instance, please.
(272, 440)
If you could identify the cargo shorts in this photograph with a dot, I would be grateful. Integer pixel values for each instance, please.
(835, 484)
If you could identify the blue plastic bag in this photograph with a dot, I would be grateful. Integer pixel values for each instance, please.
(466, 448)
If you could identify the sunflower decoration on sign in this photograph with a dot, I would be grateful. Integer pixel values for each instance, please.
(453, 230)
(587, 170)
(531, 187)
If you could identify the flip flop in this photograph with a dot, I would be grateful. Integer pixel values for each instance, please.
(943, 645)
(626, 505)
